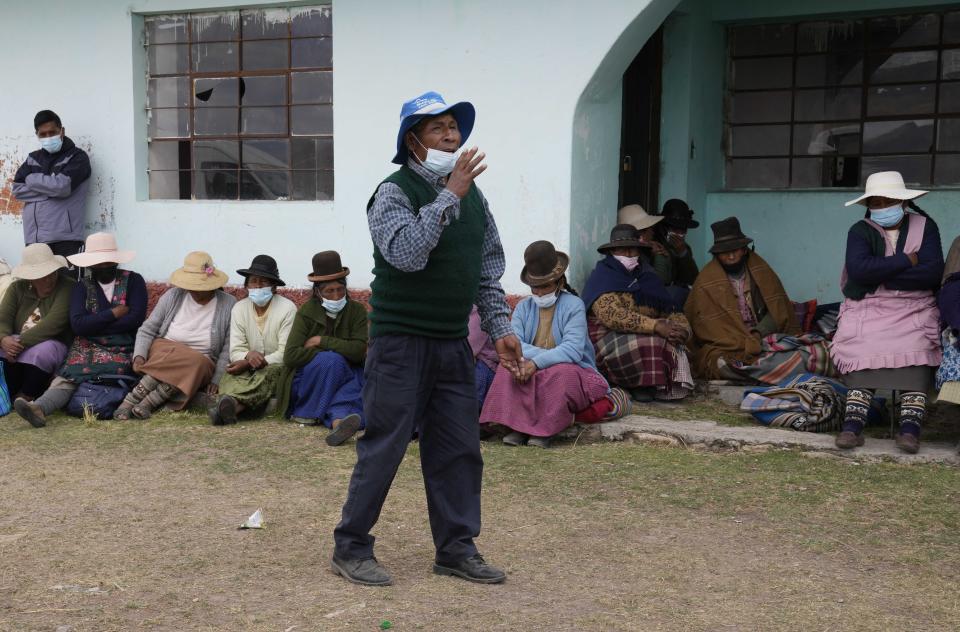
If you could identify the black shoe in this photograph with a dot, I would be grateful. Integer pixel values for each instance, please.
(366, 572)
(227, 410)
(472, 569)
(643, 394)
(347, 427)
(30, 411)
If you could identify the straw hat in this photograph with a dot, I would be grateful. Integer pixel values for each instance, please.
(543, 264)
(198, 274)
(634, 215)
(888, 184)
(327, 267)
(37, 262)
(101, 248)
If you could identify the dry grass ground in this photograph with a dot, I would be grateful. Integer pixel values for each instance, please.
(110, 526)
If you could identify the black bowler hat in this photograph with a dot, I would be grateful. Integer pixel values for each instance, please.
(727, 236)
(677, 214)
(263, 266)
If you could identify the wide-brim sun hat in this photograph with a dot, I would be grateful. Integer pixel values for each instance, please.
(623, 236)
(37, 262)
(327, 267)
(263, 266)
(636, 216)
(198, 274)
(543, 264)
(888, 184)
(432, 104)
(101, 248)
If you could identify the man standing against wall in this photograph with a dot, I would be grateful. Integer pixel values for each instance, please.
(436, 253)
(53, 183)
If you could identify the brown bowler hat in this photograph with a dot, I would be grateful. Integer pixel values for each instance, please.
(327, 267)
(727, 236)
(543, 264)
(623, 236)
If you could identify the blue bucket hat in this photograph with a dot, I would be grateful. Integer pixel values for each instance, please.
(432, 104)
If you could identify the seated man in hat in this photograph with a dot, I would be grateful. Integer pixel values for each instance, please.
(744, 325)
(636, 328)
(671, 234)
(106, 309)
(259, 326)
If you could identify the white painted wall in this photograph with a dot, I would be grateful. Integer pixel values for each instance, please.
(523, 64)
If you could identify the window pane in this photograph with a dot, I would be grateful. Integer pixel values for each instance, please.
(325, 153)
(822, 37)
(312, 21)
(223, 184)
(760, 140)
(951, 34)
(264, 185)
(215, 121)
(265, 23)
(827, 104)
(168, 92)
(324, 185)
(311, 153)
(311, 53)
(901, 100)
(312, 87)
(168, 123)
(904, 31)
(165, 155)
(880, 137)
(760, 107)
(215, 27)
(826, 138)
(266, 154)
(270, 90)
(216, 92)
(304, 185)
(311, 119)
(900, 67)
(220, 57)
(948, 135)
(263, 120)
(829, 70)
(763, 72)
(915, 169)
(950, 97)
(167, 59)
(947, 170)
(166, 29)
(761, 39)
(169, 185)
(759, 173)
(812, 172)
(265, 55)
(216, 155)
(951, 64)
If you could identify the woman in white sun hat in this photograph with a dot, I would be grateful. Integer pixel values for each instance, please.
(888, 334)
(35, 322)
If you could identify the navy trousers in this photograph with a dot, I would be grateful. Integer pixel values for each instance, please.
(424, 384)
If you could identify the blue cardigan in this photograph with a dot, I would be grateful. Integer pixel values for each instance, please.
(569, 332)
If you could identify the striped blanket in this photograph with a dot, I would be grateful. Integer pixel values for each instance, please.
(783, 357)
(806, 402)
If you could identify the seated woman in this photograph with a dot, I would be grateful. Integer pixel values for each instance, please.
(744, 324)
(259, 327)
(653, 253)
(671, 234)
(948, 375)
(484, 354)
(35, 322)
(888, 335)
(558, 376)
(323, 379)
(106, 309)
(184, 345)
(638, 332)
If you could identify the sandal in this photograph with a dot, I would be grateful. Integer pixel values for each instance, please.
(141, 413)
(122, 413)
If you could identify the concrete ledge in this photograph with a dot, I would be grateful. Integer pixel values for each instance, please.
(711, 434)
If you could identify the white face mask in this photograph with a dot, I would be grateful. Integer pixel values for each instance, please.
(545, 301)
(628, 262)
(439, 162)
(334, 307)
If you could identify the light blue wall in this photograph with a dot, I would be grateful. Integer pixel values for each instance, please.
(801, 233)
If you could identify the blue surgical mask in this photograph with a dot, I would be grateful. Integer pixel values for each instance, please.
(439, 162)
(887, 217)
(260, 295)
(545, 301)
(334, 307)
(52, 144)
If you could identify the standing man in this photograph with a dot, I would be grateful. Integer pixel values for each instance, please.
(53, 183)
(436, 253)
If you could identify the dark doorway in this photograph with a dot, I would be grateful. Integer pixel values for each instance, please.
(640, 129)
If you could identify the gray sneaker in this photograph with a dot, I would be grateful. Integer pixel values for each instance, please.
(31, 412)
(366, 572)
(515, 438)
(539, 442)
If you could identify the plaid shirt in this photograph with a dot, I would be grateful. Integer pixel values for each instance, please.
(406, 239)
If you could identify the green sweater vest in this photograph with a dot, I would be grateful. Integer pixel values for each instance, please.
(436, 301)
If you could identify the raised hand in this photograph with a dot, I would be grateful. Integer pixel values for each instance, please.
(469, 166)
